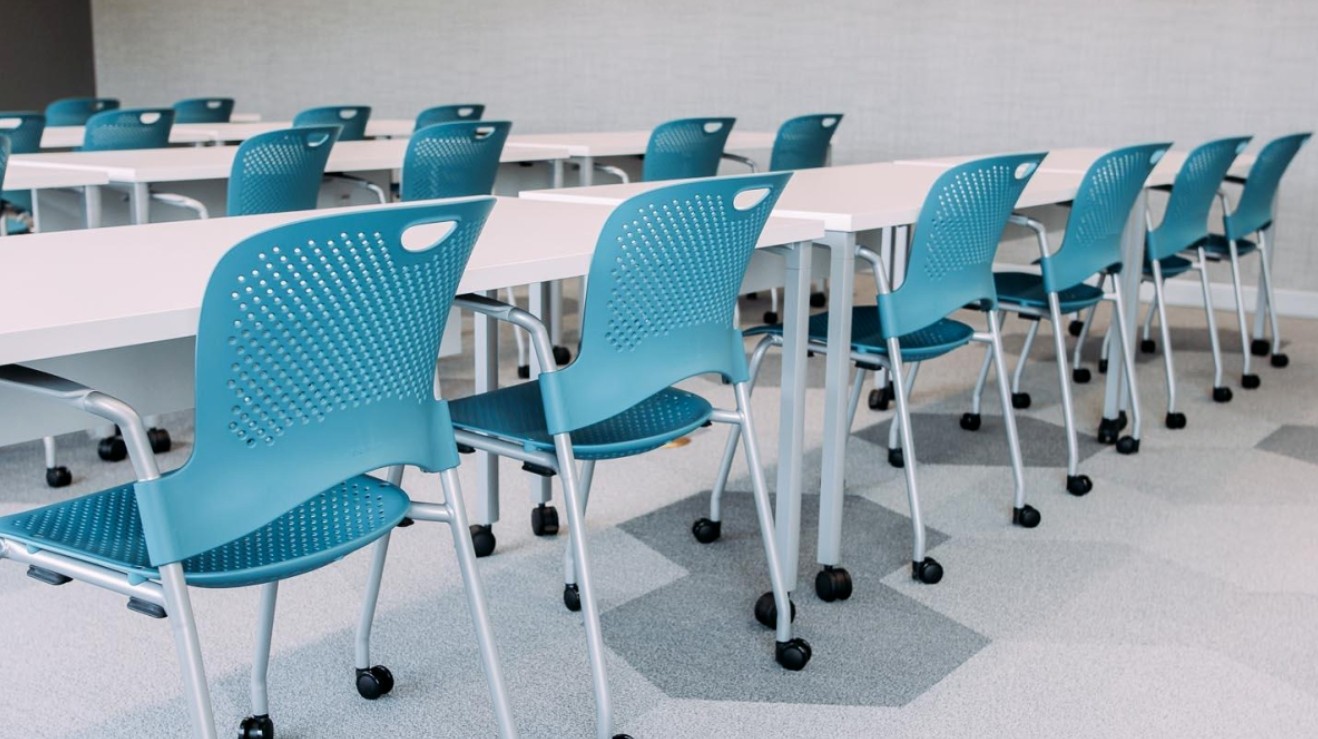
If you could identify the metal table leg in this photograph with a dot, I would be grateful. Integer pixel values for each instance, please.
(791, 424)
(837, 383)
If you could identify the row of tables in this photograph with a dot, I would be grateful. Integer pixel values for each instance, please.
(135, 339)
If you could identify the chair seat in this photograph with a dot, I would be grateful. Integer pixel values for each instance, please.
(1216, 246)
(929, 342)
(104, 528)
(1171, 266)
(516, 413)
(1025, 289)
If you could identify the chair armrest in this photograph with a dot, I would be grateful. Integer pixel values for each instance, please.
(500, 311)
(362, 183)
(741, 160)
(182, 201)
(615, 171)
(876, 262)
(83, 398)
(1040, 233)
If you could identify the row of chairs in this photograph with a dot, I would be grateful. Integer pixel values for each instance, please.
(77, 111)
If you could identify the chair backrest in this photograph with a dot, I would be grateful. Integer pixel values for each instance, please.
(315, 361)
(76, 111)
(129, 128)
(449, 114)
(24, 129)
(956, 236)
(802, 143)
(453, 160)
(1099, 214)
(663, 288)
(280, 170)
(1254, 211)
(685, 148)
(4, 159)
(1185, 222)
(203, 110)
(352, 118)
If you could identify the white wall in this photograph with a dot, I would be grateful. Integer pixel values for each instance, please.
(913, 78)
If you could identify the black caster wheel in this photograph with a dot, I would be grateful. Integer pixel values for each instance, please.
(256, 727)
(1075, 327)
(1025, 517)
(896, 458)
(770, 317)
(1128, 445)
(752, 296)
(112, 449)
(1222, 394)
(707, 531)
(1175, 420)
(1121, 420)
(766, 611)
(1102, 366)
(833, 583)
(818, 300)
(544, 520)
(562, 355)
(1081, 375)
(572, 597)
(971, 421)
(58, 477)
(880, 398)
(1280, 360)
(1250, 382)
(1020, 401)
(927, 571)
(373, 682)
(1260, 347)
(482, 540)
(1079, 485)
(793, 655)
(622, 736)
(160, 441)
(1108, 429)
(523, 371)
(1148, 346)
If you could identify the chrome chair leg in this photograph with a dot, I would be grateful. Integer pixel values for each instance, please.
(1248, 380)
(184, 627)
(1127, 444)
(1076, 483)
(1023, 515)
(1175, 419)
(261, 658)
(1270, 304)
(923, 568)
(1221, 393)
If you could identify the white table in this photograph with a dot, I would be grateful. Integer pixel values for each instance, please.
(21, 177)
(850, 201)
(586, 147)
(139, 168)
(235, 131)
(72, 137)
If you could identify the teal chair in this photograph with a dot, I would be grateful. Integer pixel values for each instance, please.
(353, 119)
(129, 128)
(449, 160)
(203, 110)
(76, 111)
(1090, 246)
(449, 114)
(4, 165)
(949, 267)
(294, 407)
(24, 129)
(664, 281)
(1184, 227)
(1253, 215)
(686, 148)
(280, 171)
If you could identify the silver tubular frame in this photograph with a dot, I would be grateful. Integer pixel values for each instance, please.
(261, 658)
(1268, 300)
(1127, 347)
(1202, 266)
(894, 435)
(1234, 254)
(1169, 364)
(1008, 413)
(1032, 332)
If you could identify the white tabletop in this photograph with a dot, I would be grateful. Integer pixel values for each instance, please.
(625, 143)
(245, 117)
(71, 137)
(214, 162)
(236, 130)
(848, 199)
(1078, 160)
(149, 279)
(21, 177)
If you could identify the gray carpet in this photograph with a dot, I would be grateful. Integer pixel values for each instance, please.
(1177, 599)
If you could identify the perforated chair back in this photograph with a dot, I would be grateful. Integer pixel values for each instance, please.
(24, 129)
(130, 128)
(451, 160)
(280, 171)
(1099, 214)
(663, 287)
(203, 110)
(352, 118)
(4, 157)
(1185, 222)
(1254, 211)
(956, 237)
(685, 148)
(315, 363)
(802, 143)
(449, 114)
(76, 111)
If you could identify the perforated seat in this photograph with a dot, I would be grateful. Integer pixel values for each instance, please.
(1217, 247)
(1171, 266)
(1026, 289)
(933, 340)
(517, 414)
(106, 528)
